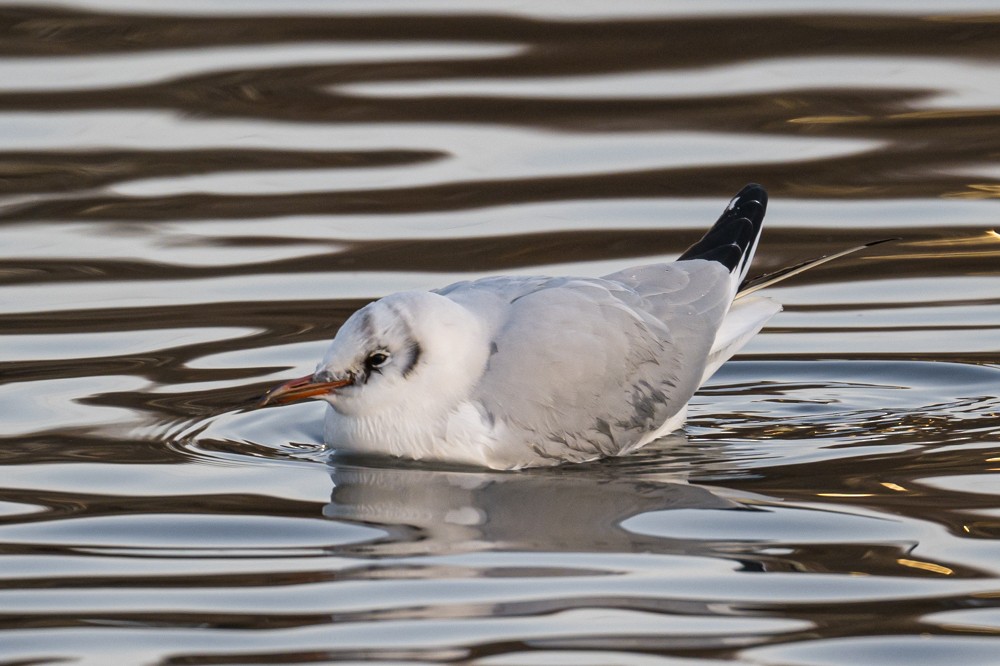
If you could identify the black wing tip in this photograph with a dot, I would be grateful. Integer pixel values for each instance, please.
(750, 194)
(753, 191)
(729, 256)
(737, 229)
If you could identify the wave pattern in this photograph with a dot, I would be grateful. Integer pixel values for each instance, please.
(193, 203)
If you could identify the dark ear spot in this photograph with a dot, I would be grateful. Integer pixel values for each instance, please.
(413, 357)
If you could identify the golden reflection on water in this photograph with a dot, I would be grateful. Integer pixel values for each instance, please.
(957, 241)
(926, 566)
(976, 191)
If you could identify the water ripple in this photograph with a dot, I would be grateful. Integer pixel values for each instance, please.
(196, 197)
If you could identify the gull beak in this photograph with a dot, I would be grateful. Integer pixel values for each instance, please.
(303, 388)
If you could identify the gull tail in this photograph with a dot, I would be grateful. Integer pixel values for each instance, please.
(747, 316)
(733, 239)
(743, 321)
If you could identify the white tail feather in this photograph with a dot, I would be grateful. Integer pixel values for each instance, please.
(745, 318)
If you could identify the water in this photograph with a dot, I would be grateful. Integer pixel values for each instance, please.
(196, 197)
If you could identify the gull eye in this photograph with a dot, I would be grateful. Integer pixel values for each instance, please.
(376, 360)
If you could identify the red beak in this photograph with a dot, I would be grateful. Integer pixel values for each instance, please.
(303, 388)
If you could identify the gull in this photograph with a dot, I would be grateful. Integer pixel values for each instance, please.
(510, 372)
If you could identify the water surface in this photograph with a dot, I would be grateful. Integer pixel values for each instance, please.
(197, 194)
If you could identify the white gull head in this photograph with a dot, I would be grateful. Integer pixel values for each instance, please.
(400, 377)
(408, 353)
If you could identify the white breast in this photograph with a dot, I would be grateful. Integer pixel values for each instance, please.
(464, 435)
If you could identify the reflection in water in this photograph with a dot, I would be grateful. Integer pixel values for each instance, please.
(617, 506)
(572, 510)
(193, 202)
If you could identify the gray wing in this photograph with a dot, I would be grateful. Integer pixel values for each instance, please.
(704, 287)
(593, 365)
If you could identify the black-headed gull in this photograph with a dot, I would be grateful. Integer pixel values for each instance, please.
(511, 372)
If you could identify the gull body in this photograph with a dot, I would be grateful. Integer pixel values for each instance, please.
(512, 372)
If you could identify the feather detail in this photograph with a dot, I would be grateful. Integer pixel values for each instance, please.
(761, 281)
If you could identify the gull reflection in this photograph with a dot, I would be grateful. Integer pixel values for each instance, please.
(575, 508)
